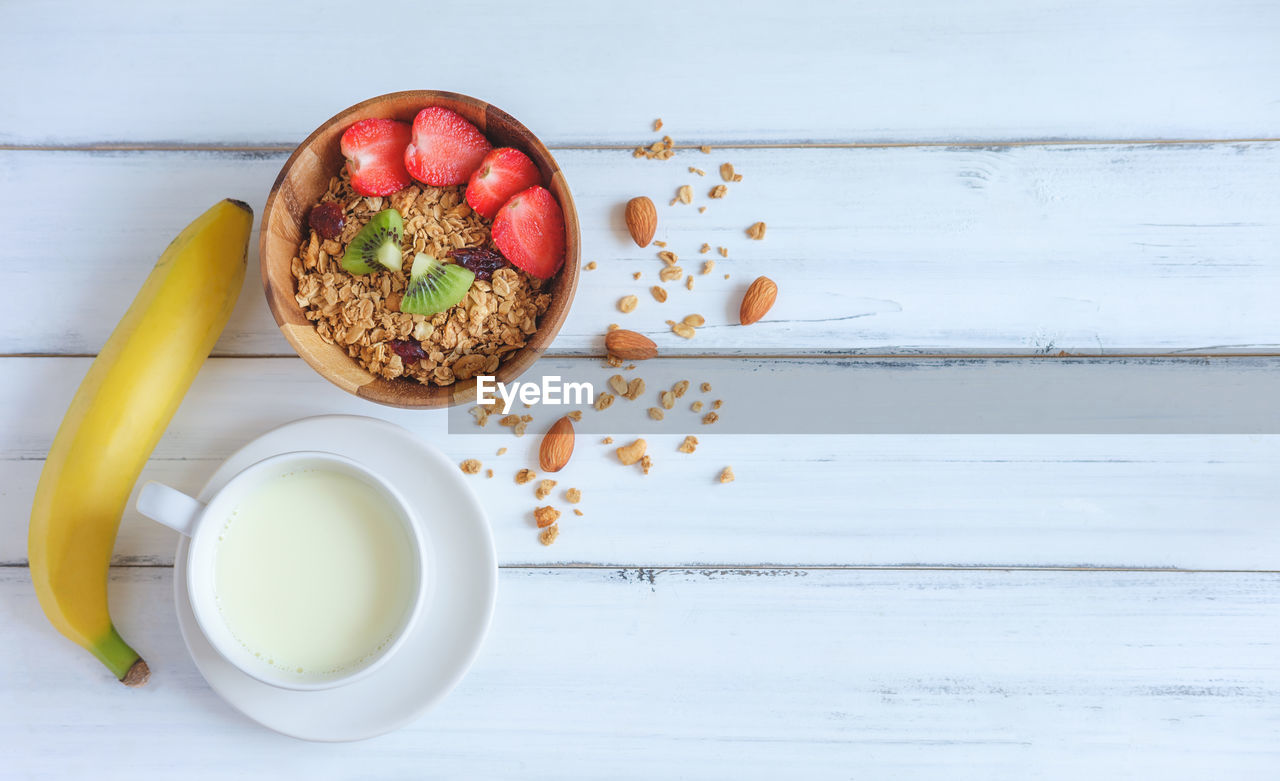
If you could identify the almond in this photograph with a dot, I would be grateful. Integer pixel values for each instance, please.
(630, 346)
(642, 220)
(758, 300)
(557, 446)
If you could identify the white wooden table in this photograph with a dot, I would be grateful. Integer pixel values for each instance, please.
(1005, 177)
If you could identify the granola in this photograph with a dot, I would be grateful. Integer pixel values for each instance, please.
(361, 313)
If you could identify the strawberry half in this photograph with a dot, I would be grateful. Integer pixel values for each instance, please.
(374, 149)
(529, 232)
(445, 148)
(503, 173)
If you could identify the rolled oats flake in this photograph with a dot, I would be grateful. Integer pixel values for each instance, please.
(659, 294)
(655, 413)
(671, 273)
(679, 388)
(627, 304)
(603, 401)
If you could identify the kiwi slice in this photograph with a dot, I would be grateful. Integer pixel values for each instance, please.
(377, 246)
(435, 286)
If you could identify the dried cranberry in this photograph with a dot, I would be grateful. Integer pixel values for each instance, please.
(407, 349)
(327, 220)
(482, 261)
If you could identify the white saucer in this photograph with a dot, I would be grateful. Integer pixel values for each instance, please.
(448, 635)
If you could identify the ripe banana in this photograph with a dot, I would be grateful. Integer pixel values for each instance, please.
(122, 407)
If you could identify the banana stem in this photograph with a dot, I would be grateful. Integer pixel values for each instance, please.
(122, 660)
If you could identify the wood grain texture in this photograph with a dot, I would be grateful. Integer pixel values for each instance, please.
(577, 72)
(1011, 249)
(712, 674)
(1197, 502)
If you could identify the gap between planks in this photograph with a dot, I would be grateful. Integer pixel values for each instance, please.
(278, 148)
(754, 568)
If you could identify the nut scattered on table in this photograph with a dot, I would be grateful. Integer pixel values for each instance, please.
(756, 231)
(632, 453)
(629, 345)
(642, 220)
(758, 300)
(557, 446)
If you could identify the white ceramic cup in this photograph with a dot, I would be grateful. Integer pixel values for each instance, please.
(201, 523)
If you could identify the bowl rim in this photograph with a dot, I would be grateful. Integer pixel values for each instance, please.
(392, 392)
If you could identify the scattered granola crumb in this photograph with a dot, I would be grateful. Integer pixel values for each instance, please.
(613, 327)
(545, 516)
(603, 401)
(634, 389)
(502, 450)
(706, 150)
(519, 428)
(696, 406)
(630, 454)
(702, 210)
(655, 413)
(679, 388)
(726, 475)
(706, 386)
(590, 266)
(726, 276)
(488, 473)
(718, 191)
(509, 420)
(660, 244)
(636, 275)
(481, 415)
(524, 476)
(685, 194)
(724, 251)
(704, 249)
(727, 173)
(577, 512)
(471, 466)
(548, 536)
(658, 150)
(716, 404)
(667, 399)
(659, 294)
(688, 283)
(627, 304)
(544, 489)
(607, 441)
(697, 171)
(573, 496)
(612, 360)
(689, 444)
(657, 124)
(709, 418)
(756, 231)
(645, 463)
(575, 416)
(707, 265)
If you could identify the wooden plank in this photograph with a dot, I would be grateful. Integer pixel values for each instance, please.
(749, 674)
(1097, 249)
(1197, 502)
(722, 71)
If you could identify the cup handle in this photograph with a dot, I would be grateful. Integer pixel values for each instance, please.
(169, 506)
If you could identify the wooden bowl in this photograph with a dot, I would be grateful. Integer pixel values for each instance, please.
(305, 177)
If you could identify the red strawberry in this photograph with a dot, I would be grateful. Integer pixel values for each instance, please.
(445, 148)
(529, 232)
(503, 173)
(374, 149)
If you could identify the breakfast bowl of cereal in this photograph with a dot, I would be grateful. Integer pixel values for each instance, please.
(416, 241)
